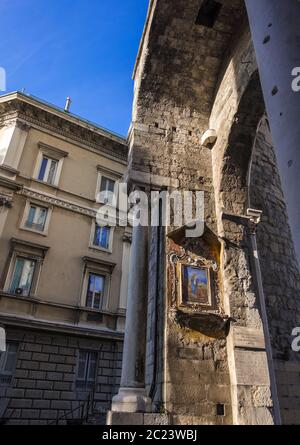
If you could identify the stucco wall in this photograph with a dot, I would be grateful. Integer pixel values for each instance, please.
(63, 269)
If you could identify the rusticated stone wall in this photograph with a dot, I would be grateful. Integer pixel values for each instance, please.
(43, 386)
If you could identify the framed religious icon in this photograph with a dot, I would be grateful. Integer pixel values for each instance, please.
(194, 285)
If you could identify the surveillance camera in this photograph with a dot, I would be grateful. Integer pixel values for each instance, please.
(254, 214)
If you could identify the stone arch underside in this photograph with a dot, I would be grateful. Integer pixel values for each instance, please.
(232, 199)
(233, 186)
(249, 143)
(280, 276)
(249, 366)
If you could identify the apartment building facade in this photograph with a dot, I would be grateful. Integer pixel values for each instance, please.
(63, 277)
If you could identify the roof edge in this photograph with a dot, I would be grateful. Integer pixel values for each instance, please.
(51, 108)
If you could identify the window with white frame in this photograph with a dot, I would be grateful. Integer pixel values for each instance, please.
(96, 283)
(48, 170)
(25, 266)
(22, 277)
(36, 217)
(101, 238)
(8, 360)
(86, 369)
(49, 164)
(107, 190)
(95, 290)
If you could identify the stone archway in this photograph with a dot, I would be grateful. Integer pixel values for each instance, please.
(249, 363)
(234, 170)
(279, 270)
(233, 199)
(248, 145)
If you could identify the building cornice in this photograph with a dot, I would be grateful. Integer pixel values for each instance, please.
(49, 148)
(60, 328)
(100, 262)
(75, 327)
(69, 205)
(19, 242)
(10, 184)
(26, 111)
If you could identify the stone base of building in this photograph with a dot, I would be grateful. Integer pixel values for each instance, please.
(43, 389)
(131, 400)
(122, 418)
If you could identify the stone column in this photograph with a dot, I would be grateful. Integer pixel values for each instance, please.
(127, 239)
(275, 28)
(132, 394)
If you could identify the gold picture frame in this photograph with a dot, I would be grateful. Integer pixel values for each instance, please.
(194, 285)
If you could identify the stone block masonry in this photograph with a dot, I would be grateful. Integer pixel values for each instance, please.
(191, 78)
(174, 87)
(43, 388)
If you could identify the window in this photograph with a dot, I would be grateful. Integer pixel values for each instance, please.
(107, 185)
(95, 291)
(36, 218)
(97, 274)
(86, 371)
(48, 169)
(49, 164)
(8, 360)
(22, 276)
(25, 266)
(208, 13)
(101, 236)
(107, 190)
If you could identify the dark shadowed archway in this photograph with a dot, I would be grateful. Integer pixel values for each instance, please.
(233, 189)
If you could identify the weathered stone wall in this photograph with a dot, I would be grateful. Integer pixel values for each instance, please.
(190, 78)
(43, 387)
(279, 272)
(175, 81)
(228, 114)
(197, 369)
(236, 113)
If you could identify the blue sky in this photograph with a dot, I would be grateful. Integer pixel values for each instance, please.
(85, 49)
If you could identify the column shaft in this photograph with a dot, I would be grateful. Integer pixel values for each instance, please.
(132, 394)
(275, 28)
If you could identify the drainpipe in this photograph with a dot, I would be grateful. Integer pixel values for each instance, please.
(159, 255)
(261, 296)
(153, 387)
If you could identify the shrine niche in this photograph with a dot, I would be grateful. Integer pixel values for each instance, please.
(194, 283)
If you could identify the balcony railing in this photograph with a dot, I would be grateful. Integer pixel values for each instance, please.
(34, 226)
(5, 380)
